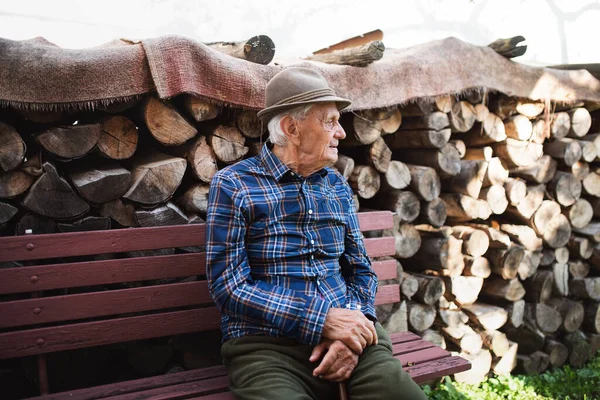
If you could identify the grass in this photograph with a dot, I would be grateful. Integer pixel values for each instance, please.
(563, 383)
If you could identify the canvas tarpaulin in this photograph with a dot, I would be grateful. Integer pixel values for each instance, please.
(35, 74)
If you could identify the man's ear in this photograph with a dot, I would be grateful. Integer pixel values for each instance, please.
(289, 126)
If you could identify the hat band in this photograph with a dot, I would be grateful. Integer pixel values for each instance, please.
(306, 96)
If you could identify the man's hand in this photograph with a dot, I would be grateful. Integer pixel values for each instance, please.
(351, 327)
(338, 363)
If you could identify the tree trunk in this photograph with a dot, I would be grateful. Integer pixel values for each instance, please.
(166, 124)
(12, 148)
(118, 138)
(201, 109)
(445, 161)
(542, 171)
(365, 181)
(155, 178)
(516, 153)
(258, 49)
(424, 181)
(516, 190)
(70, 142)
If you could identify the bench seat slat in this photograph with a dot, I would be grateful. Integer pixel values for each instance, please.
(375, 220)
(98, 304)
(422, 355)
(437, 368)
(89, 273)
(379, 247)
(414, 345)
(387, 294)
(385, 269)
(35, 247)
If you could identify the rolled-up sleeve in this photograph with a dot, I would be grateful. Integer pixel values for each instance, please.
(229, 274)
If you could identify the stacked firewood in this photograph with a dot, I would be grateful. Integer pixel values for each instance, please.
(496, 202)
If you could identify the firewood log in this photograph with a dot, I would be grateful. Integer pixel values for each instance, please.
(435, 121)
(529, 265)
(557, 352)
(85, 224)
(561, 279)
(595, 139)
(228, 144)
(523, 235)
(462, 290)
(545, 317)
(462, 208)
(407, 241)
(481, 363)
(475, 242)
(503, 105)
(439, 253)
(69, 142)
(495, 197)
(431, 288)
(462, 116)
(119, 212)
(516, 153)
(586, 288)
(409, 286)
(376, 154)
(424, 181)
(481, 112)
(518, 127)
(33, 224)
(529, 337)
(166, 124)
(15, 183)
(7, 211)
(362, 127)
(12, 148)
(398, 320)
(453, 318)
(434, 337)
(495, 341)
(420, 316)
(248, 124)
(591, 183)
(579, 213)
(101, 184)
(532, 364)
(163, 215)
(560, 125)
(359, 56)
(469, 180)
(580, 169)
(397, 175)
(505, 262)
(516, 190)
(592, 231)
(588, 151)
(404, 203)
(441, 103)
(477, 266)
(539, 172)
(51, 196)
(581, 121)
(118, 138)
(505, 364)
(539, 286)
(595, 203)
(464, 337)
(496, 173)
(155, 178)
(516, 312)
(365, 181)
(579, 348)
(416, 139)
(433, 212)
(498, 240)
(460, 146)
(530, 108)
(571, 312)
(200, 109)
(345, 166)
(490, 317)
(551, 224)
(479, 153)
(591, 320)
(490, 131)
(390, 120)
(195, 199)
(540, 131)
(578, 269)
(566, 149)
(530, 204)
(445, 161)
(258, 49)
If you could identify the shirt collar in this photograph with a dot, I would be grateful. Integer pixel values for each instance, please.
(273, 165)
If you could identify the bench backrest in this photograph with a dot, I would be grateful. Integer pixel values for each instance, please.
(41, 315)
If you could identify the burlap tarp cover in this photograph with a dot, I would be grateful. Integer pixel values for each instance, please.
(36, 74)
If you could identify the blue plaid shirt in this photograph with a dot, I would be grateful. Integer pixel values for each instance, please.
(282, 249)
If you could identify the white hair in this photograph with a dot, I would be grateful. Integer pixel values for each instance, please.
(276, 135)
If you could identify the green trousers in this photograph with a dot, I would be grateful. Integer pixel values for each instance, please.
(268, 368)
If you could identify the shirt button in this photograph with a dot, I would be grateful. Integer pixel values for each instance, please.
(312, 256)
(318, 283)
(310, 211)
(312, 242)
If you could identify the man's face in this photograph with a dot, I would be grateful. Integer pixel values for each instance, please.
(320, 134)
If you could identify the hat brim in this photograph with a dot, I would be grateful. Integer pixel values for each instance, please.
(266, 114)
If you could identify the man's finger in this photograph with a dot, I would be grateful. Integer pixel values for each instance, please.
(318, 351)
(371, 326)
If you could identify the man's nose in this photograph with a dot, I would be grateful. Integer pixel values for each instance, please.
(340, 133)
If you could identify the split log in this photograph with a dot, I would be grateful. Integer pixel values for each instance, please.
(540, 131)
(118, 138)
(85, 224)
(549, 223)
(530, 108)
(461, 208)
(12, 148)
(518, 127)
(362, 128)
(70, 142)
(248, 124)
(516, 190)
(445, 161)
(565, 188)
(7, 211)
(506, 364)
(495, 341)
(453, 318)
(481, 112)
(581, 121)
(33, 224)
(533, 364)
(495, 197)
(441, 254)
(166, 124)
(377, 154)
(416, 139)
(258, 49)
(579, 349)
(228, 144)
(102, 184)
(462, 290)
(464, 337)
(496, 173)
(516, 153)
(490, 131)
(490, 317)
(163, 215)
(462, 116)
(398, 320)
(407, 241)
(567, 150)
(200, 109)
(591, 183)
(505, 262)
(404, 203)
(15, 183)
(571, 312)
(561, 279)
(195, 199)
(529, 265)
(365, 181)
(586, 288)
(503, 105)
(460, 146)
(579, 214)
(431, 288)
(51, 196)
(119, 212)
(516, 312)
(539, 286)
(469, 180)
(558, 352)
(397, 175)
(588, 151)
(539, 172)
(409, 286)
(155, 178)
(479, 153)
(201, 158)
(523, 235)
(434, 337)
(545, 317)
(578, 269)
(433, 212)
(498, 240)
(560, 125)
(475, 242)
(530, 204)
(359, 56)
(390, 120)
(591, 320)
(481, 363)
(529, 338)
(477, 266)
(594, 138)
(420, 316)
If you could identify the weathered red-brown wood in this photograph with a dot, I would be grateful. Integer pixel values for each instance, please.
(373, 220)
(387, 294)
(385, 269)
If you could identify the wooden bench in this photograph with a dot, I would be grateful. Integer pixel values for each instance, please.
(38, 324)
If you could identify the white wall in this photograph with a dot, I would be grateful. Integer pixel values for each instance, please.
(557, 31)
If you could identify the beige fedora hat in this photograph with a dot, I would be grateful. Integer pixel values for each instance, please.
(295, 87)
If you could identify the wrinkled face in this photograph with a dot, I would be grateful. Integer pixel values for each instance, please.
(320, 133)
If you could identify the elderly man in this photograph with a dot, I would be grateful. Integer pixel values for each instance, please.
(286, 262)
